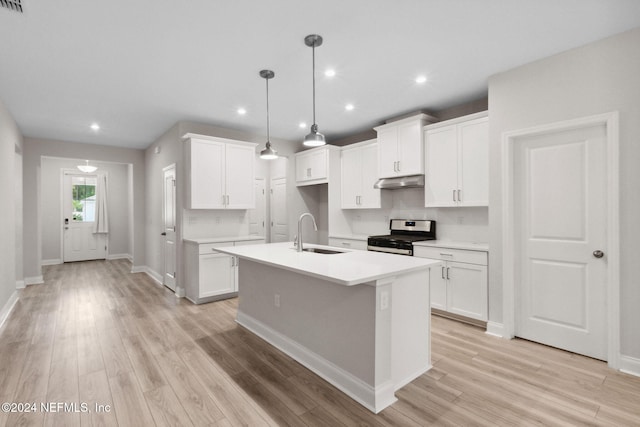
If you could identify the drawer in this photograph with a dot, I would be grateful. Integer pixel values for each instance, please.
(445, 254)
(348, 243)
(249, 242)
(207, 248)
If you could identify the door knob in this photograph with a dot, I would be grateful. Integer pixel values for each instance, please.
(598, 254)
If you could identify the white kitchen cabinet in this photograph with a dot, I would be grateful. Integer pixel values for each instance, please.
(312, 166)
(400, 146)
(211, 275)
(460, 285)
(457, 162)
(220, 173)
(358, 176)
(348, 243)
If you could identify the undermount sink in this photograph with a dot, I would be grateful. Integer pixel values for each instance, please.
(322, 251)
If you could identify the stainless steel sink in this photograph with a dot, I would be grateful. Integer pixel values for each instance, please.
(322, 251)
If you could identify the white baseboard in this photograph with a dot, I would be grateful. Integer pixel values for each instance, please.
(630, 365)
(149, 272)
(36, 280)
(354, 387)
(495, 329)
(20, 284)
(6, 310)
(51, 262)
(119, 256)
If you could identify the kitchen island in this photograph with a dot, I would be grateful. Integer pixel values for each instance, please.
(358, 319)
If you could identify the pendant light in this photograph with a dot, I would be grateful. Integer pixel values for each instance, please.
(314, 138)
(269, 153)
(87, 168)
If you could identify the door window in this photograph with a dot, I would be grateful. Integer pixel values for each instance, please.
(83, 198)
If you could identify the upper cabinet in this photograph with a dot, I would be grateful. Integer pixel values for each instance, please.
(358, 176)
(220, 173)
(312, 166)
(400, 146)
(457, 162)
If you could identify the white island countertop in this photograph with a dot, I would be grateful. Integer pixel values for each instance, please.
(205, 240)
(454, 244)
(351, 267)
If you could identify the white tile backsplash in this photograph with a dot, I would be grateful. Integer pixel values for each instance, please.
(215, 223)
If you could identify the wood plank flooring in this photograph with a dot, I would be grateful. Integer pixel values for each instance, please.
(96, 334)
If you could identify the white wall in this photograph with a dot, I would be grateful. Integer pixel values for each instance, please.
(10, 143)
(117, 201)
(597, 78)
(33, 152)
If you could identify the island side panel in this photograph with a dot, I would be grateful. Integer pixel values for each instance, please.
(333, 321)
(411, 327)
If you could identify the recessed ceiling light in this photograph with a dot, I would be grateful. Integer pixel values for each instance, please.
(242, 111)
(330, 72)
(95, 127)
(349, 107)
(421, 79)
(302, 125)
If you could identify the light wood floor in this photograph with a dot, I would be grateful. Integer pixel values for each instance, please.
(95, 333)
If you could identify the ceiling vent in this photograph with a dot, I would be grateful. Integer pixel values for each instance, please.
(12, 4)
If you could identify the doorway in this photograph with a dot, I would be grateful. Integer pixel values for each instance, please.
(257, 215)
(79, 202)
(279, 217)
(560, 252)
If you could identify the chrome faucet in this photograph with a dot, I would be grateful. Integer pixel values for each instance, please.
(299, 237)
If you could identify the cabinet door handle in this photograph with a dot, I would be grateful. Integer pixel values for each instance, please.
(459, 199)
(227, 199)
(453, 195)
(398, 165)
(442, 271)
(447, 273)
(224, 200)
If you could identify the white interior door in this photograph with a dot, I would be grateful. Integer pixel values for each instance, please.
(257, 215)
(279, 217)
(169, 226)
(79, 208)
(561, 225)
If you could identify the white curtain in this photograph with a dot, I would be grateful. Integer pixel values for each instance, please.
(101, 224)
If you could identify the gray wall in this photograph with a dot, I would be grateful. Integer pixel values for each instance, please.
(10, 144)
(33, 151)
(597, 78)
(117, 199)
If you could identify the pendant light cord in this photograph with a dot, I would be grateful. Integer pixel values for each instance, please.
(313, 66)
(268, 134)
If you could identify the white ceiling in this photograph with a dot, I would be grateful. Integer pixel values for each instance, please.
(137, 67)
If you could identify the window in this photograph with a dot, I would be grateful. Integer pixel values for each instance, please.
(83, 197)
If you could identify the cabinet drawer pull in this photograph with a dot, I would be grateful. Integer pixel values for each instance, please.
(346, 244)
(445, 254)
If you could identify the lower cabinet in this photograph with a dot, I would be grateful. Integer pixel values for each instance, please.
(460, 285)
(211, 275)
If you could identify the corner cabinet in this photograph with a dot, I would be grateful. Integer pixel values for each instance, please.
(457, 162)
(211, 275)
(460, 285)
(358, 176)
(400, 146)
(220, 173)
(312, 166)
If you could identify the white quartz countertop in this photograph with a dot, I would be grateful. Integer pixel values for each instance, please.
(349, 268)
(204, 240)
(454, 244)
(349, 236)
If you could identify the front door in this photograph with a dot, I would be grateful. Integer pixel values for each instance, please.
(169, 226)
(561, 230)
(80, 243)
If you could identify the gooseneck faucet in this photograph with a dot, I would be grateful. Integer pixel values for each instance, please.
(299, 238)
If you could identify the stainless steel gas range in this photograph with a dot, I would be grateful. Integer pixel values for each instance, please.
(403, 233)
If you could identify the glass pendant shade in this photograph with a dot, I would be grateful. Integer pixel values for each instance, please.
(269, 153)
(314, 138)
(87, 168)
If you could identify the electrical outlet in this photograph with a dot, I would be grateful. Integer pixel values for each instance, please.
(217, 220)
(384, 300)
(276, 300)
(460, 220)
(358, 217)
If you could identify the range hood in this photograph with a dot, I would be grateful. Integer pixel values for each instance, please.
(409, 181)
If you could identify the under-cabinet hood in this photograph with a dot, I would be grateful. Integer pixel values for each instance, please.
(409, 181)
